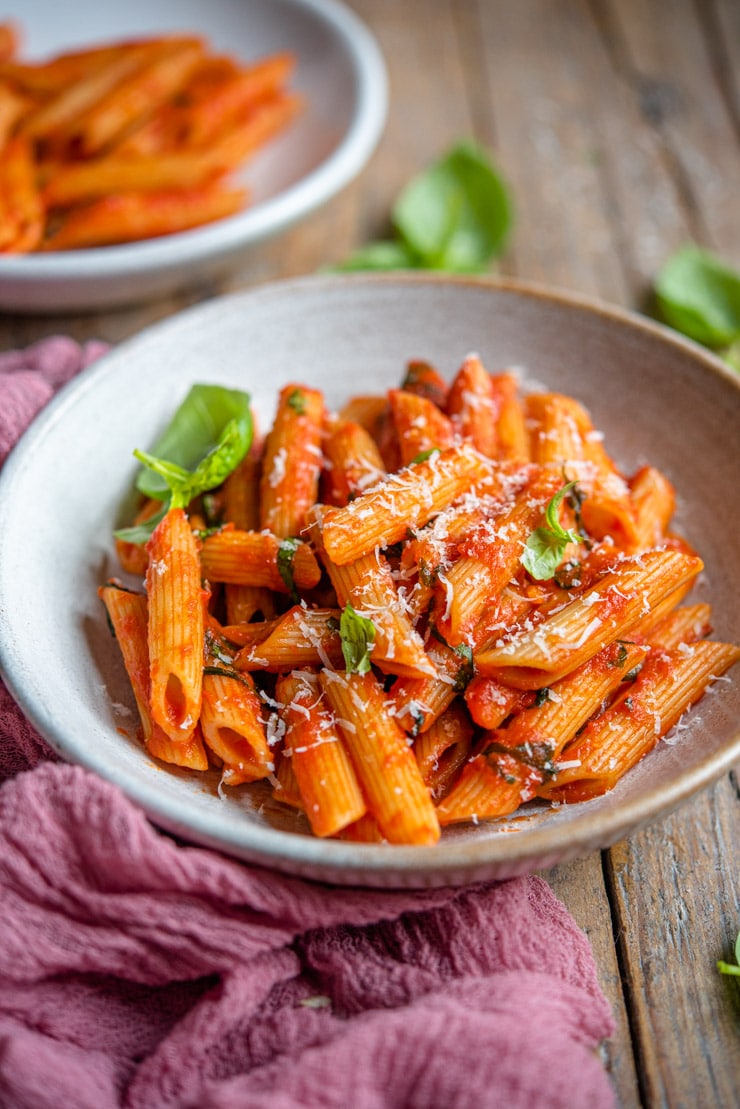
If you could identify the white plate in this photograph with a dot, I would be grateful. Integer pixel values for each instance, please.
(341, 74)
(655, 397)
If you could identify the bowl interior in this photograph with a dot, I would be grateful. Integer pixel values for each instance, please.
(655, 397)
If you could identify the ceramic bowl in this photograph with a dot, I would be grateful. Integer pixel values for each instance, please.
(655, 396)
(339, 72)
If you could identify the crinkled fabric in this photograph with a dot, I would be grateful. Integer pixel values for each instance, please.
(137, 972)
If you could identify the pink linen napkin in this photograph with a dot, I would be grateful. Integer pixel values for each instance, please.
(138, 972)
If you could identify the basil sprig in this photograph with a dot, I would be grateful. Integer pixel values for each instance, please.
(455, 216)
(207, 438)
(699, 296)
(545, 547)
(357, 634)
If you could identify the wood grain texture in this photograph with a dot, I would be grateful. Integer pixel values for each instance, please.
(617, 125)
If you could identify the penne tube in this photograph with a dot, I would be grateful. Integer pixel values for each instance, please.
(555, 423)
(407, 499)
(302, 637)
(418, 702)
(368, 585)
(245, 602)
(286, 788)
(668, 684)
(9, 40)
(383, 761)
(422, 379)
(512, 436)
(654, 502)
(234, 95)
(364, 830)
(441, 750)
(420, 425)
(241, 508)
(292, 462)
(472, 406)
(259, 558)
(353, 460)
(241, 505)
(313, 746)
(539, 733)
(489, 786)
(128, 216)
(683, 625)
(46, 79)
(490, 703)
(604, 612)
(74, 97)
(232, 726)
(489, 558)
(13, 106)
(136, 96)
(175, 626)
(22, 213)
(127, 612)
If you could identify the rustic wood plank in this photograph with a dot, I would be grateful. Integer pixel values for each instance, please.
(667, 58)
(678, 910)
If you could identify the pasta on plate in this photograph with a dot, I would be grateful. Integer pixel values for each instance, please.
(428, 608)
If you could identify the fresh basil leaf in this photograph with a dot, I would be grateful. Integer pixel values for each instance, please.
(545, 547)
(196, 430)
(285, 556)
(457, 214)
(466, 673)
(358, 635)
(141, 533)
(699, 296)
(386, 254)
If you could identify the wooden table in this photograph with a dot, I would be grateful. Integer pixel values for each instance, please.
(617, 125)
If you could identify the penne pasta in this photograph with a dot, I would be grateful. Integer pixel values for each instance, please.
(407, 499)
(127, 612)
(383, 761)
(327, 783)
(399, 646)
(176, 629)
(292, 462)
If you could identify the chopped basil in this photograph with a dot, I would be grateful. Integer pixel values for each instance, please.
(621, 656)
(297, 401)
(285, 556)
(545, 547)
(358, 636)
(541, 696)
(466, 672)
(424, 456)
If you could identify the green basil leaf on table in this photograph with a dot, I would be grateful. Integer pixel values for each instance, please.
(700, 297)
(456, 216)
